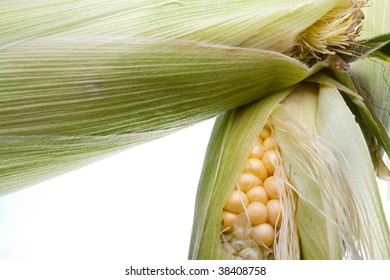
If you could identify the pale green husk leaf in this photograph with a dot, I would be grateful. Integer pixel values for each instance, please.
(304, 157)
(260, 24)
(66, 100)
(374, 74)
(354, 157)
(339, 210)
(80, 79)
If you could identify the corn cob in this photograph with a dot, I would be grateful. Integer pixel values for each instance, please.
(253, 213)
(324, 207)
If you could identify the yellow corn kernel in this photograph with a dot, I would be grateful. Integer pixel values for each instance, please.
(269, 160)
(269, 143)
(271, 187)
(228, 219)
(266, 132)
(263, 234)
(236, 202)
(257, 213)
(256, 167)
(257, 194)
(274, 212)
(248, 180)
(258, 151)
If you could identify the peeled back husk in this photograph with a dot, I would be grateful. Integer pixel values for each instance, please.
(64, 102)
(81, 80)
(255, 24)
(338, 212)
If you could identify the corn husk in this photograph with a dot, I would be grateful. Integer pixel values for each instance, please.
(266, 25)
(374, 74)
(80, 81)
(339, 213)
(63, 104)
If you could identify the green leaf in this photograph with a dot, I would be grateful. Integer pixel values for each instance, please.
(256, 24)
(109, 75)
(118, 92)
(366, 109)
(350, 149)
(370, 47)
(318, 234)
(374, 74)
(382, 53)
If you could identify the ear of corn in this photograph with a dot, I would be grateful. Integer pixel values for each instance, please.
(81, 79)
(337, 214)
(234, 135)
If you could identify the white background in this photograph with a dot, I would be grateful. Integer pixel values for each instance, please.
(135, 205)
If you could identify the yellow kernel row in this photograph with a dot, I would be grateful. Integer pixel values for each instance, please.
(257, 212)
(257, 197)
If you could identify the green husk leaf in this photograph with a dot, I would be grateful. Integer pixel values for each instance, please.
(65, 100)
(382, 54)
(319, 237)
(370, 47)
(124, 72)
(372, 73)
(327, 218)
(327, 80)
(358, 169)
(233, 137)
(366, 109)
(260, 24)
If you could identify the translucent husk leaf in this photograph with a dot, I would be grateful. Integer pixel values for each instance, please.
(338, 196)
(355, 159)
(317, 231)
(376, 134)
(80, 80)
(260, 24)
(65, 100)
(374, 74)
(337, 216)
